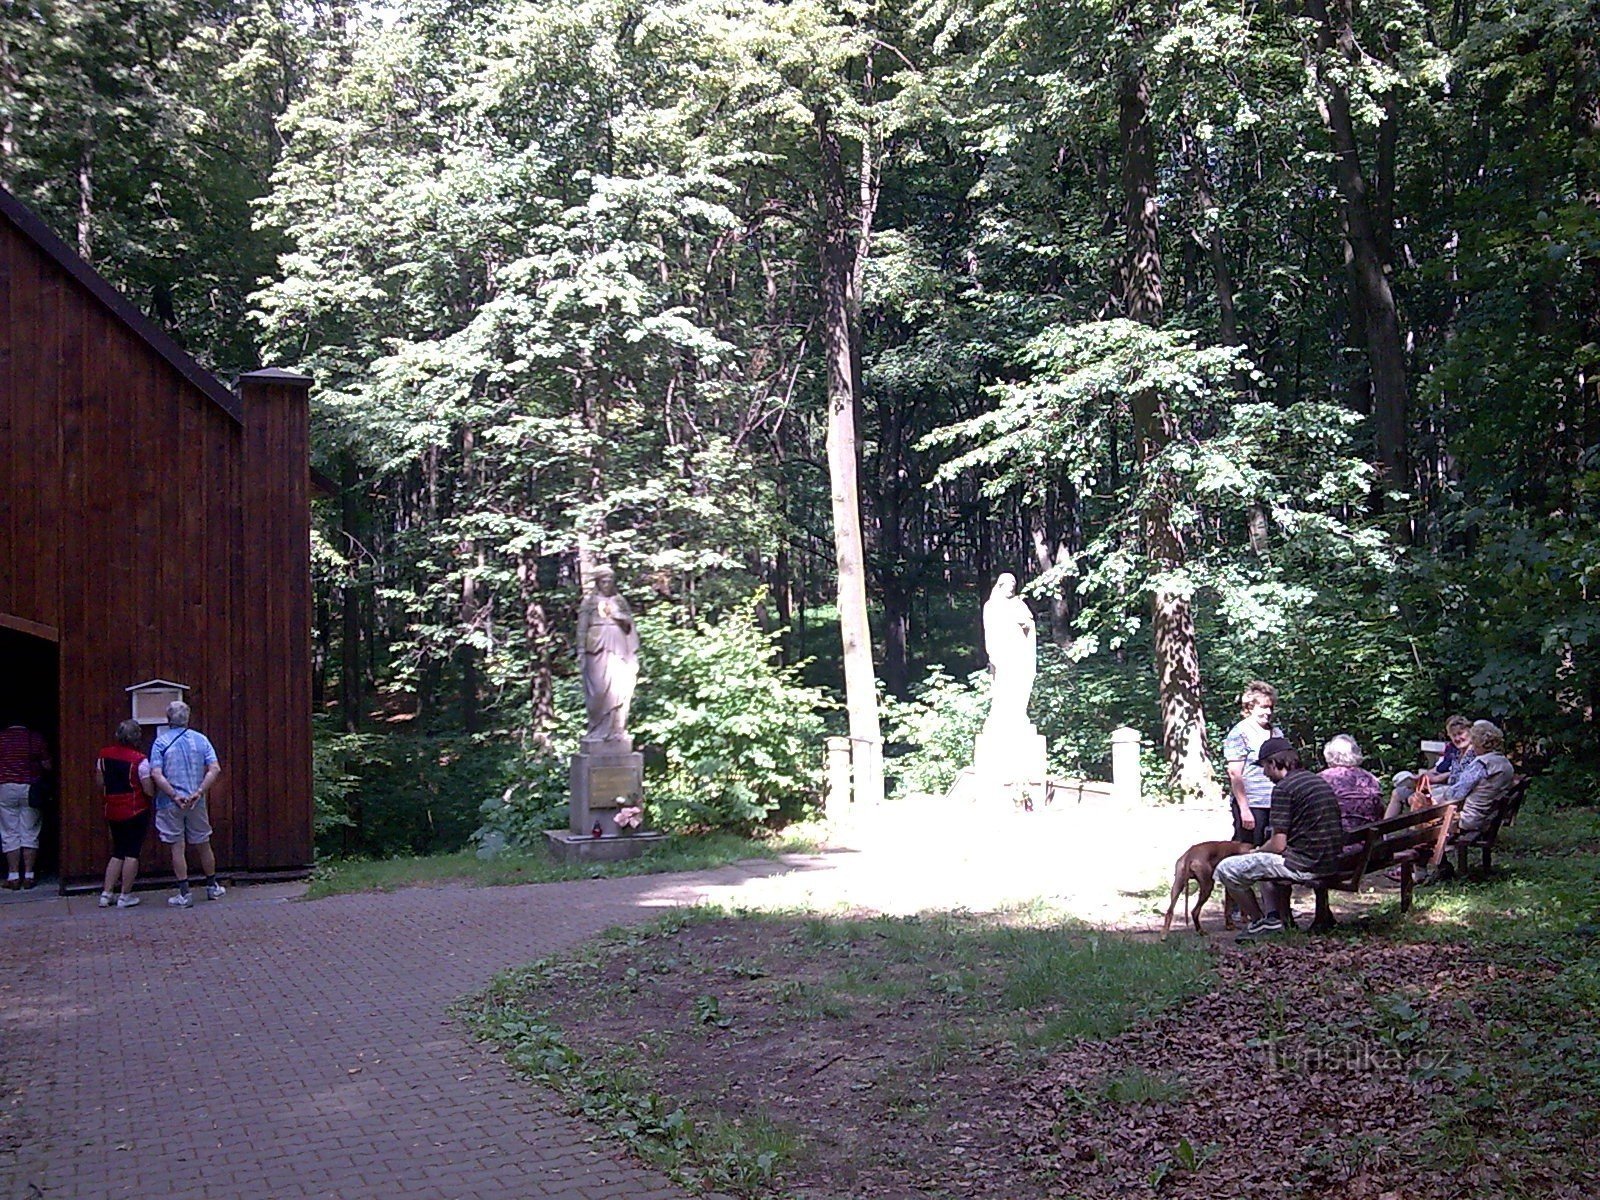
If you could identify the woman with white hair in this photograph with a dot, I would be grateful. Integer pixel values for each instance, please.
(1485, 779)
(1359, 792)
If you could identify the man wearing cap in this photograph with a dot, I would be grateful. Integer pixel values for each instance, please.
(1306, 840)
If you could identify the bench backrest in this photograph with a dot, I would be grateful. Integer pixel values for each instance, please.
(1383, 841)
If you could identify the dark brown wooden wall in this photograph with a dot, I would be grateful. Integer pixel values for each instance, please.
(157, 538)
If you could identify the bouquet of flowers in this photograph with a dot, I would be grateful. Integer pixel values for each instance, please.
(629, 816)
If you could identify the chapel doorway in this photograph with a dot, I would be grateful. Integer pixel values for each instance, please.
(30, 693)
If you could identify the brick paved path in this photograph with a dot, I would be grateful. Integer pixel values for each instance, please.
(253, 1047)
(258, 1048)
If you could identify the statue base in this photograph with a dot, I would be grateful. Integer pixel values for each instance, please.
(604, 776)
(581, 848)
(1012, 762)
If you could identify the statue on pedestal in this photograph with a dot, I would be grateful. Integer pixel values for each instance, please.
(606, 778)
(608, 657)
(1011, 642)
(1009, 757)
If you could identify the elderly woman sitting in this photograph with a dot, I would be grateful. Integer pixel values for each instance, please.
(1359, 792)
(1457, 730)
(1484, 779)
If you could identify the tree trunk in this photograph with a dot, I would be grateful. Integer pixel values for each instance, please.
(350, 596)
(838, 274)
(541, 673)
(1369, 263)
(1228, 330)
(469, 613)
(1177, 661)
(1050, 552)
(86, 193)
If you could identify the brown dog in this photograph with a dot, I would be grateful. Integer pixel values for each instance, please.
(1198, 863)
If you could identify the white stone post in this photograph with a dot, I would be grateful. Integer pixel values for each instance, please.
(1125, 783)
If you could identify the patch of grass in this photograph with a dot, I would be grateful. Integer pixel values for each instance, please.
(465, 867)
(890, 1013)
(1094, 985)
(1543, 886)
(613, 1087)
(1138, 1086)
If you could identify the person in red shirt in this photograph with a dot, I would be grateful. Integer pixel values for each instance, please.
(24, 761)
(125, 778)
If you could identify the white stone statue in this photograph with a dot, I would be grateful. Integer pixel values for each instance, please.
(1012, 645)
(608, 655)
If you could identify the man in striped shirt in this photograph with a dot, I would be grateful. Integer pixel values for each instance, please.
(1306, 840)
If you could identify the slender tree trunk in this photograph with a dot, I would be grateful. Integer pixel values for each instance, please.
(350, 595)
(1228, 327)
(470, 610)
(86, 193)
(1050, 552)
(896, 577)
(1586, 127)
(541, 672)
(838, 273)
(1177, 659)
(1369, 264)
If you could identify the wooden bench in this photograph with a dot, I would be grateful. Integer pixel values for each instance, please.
(1401, 841)
(1505, 813)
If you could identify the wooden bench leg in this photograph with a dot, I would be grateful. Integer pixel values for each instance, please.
(1324, 919)
(1462, 854)
(1408, 883)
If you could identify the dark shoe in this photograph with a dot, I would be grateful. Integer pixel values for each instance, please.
(29, 883)
(1261, 927)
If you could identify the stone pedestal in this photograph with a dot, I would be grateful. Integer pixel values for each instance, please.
(1011, 762)
(605, 776)
(575, 848)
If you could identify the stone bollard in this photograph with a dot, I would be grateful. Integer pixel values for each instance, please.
(1126, 787)
(838, 799)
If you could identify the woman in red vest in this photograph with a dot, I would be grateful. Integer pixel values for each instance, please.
(125, 777)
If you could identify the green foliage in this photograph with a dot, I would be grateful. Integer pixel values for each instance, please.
(740, 736)
(553, 269)
(930, 736)
(1075, 704)
(382, 794)
(333, 782)
(535, 800)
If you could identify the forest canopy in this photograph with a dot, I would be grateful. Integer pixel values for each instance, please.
(1261, 340)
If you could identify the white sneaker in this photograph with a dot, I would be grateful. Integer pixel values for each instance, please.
(181, 900)
(105, 899)
(127, 901)
(215, 891)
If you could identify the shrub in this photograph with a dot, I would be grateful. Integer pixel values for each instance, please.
(739, 738)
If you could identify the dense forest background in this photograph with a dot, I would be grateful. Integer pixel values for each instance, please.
(1262, 339)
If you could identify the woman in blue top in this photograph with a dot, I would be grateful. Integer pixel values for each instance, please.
(1446, 772)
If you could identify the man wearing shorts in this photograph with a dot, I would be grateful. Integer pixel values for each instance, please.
(1307, 838)
(184, 766)
(24, 760)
